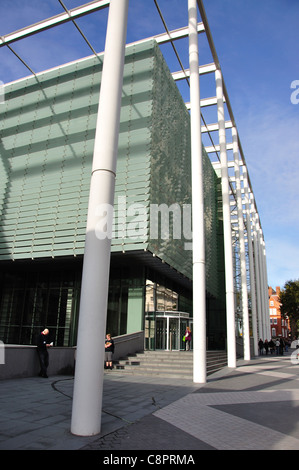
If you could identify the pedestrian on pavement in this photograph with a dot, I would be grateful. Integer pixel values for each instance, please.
(43, 342)
(266, 346)
(188, 338)
(277, 344)
(271, 346)
(261, 347)
(109, 350)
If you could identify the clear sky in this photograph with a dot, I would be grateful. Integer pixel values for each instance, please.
(257, 45)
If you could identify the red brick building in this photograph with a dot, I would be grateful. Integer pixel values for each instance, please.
(279, 326)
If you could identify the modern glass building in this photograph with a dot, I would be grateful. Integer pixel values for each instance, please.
(47, 134)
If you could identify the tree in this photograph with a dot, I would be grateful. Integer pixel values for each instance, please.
(289, 299)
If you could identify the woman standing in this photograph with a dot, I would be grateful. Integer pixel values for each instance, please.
(188, 338)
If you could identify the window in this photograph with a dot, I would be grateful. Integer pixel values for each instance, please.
(45, 299)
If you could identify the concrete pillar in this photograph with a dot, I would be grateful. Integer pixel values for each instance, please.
(245, 311)
(228, 254)
(251, 265)
(257, 277)
(199, 282)
(88, 386)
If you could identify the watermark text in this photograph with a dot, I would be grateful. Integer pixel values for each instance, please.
(295, 93)
(138, 222)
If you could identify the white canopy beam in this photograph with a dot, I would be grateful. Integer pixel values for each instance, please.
(53, 21)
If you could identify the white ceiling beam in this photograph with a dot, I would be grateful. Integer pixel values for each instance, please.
(217, 165)
(54, 21)
(203, 69)
(177, 34)
(215, 127)
(206, 102)
(216, 148)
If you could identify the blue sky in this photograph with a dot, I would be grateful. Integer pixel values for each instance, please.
(257, 45)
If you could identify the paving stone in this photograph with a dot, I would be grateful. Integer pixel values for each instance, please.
(252, 407)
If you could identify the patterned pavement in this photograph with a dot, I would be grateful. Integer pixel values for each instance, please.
(252, 407)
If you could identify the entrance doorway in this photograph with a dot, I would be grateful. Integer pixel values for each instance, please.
(165, 330)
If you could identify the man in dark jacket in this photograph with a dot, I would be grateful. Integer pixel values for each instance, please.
(43, 343)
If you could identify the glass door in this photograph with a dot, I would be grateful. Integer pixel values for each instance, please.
(161, 333)
(174, 333)
(165, 330)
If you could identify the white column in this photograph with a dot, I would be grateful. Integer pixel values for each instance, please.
(269, 335)
(264, 287)
(228, 255)
(251, 265)
(88, 386)
(246, 330)
(199, 282)
(262, 279)
(257, 276)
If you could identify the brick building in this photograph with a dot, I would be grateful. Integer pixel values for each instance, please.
(280, 326)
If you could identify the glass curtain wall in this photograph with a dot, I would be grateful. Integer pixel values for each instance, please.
(29, 301)
(48, 295)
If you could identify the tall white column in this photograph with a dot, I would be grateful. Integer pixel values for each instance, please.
(262, 279)
(228, 254)
(264, 287)
(260, 284)
(245, 311)
(251, 265)
(268, 326)
(88, 386)
(257, 276)
(199, 284)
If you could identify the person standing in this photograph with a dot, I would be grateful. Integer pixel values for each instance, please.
(261, 347)
(43, 343)
(266, 346)
(277, 345)
(271, 346)
(109, 350)
(188, 338)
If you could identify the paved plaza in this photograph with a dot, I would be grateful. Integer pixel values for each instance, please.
(252, 407)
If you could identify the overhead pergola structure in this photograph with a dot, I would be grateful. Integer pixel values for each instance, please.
(244, 245)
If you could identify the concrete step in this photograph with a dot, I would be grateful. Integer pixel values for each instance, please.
(177, 364)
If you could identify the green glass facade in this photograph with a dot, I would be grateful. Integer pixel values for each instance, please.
(47, 134)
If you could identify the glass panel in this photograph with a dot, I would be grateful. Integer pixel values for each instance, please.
(149, 333)
(26, 310)
(161, 333)
(174, 333)
(160, 298)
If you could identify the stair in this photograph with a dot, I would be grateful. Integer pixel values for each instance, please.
(174, 364)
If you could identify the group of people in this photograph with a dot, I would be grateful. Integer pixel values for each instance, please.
(44, 342)
(278, 346)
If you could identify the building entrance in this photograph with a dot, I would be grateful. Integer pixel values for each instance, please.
(165, 330)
